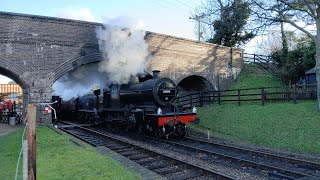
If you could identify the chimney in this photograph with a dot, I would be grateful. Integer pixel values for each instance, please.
(156, 74)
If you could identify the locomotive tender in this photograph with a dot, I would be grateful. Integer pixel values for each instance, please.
(147, 104)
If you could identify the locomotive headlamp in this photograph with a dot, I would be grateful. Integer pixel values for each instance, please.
(194, 109)
(159, 111)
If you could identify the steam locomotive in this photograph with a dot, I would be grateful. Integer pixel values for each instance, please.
(146, 104)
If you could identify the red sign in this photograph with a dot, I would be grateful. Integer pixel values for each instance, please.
(47, 110)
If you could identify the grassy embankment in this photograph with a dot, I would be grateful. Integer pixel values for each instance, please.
(59, 158)
(284, 125)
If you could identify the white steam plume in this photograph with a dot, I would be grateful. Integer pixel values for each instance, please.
(80, 82)
(124, 50)
(125, 54)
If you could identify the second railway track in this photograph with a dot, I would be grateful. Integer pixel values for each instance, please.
(276, 166)
(272, 165)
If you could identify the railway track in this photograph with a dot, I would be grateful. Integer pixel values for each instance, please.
(164, 165)
(272, 165)
(276, 166)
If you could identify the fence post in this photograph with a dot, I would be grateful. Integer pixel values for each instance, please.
(32, 174)
(201, 99)
(218, 84)
(294, 94)
(191, 100)
(25, 160)
(254, 58)
(219, 100)
(239, 97)
(305, 91)
(262, 96)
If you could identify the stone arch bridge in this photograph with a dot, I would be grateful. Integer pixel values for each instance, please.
(37, 50)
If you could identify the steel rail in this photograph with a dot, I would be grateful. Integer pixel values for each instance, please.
(284, 173)
(310, 164)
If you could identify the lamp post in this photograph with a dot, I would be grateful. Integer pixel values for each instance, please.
(198, 18)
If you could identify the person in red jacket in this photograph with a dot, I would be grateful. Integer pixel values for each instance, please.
(10, 106)
(2, 106)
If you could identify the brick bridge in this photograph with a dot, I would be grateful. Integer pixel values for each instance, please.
(36, 51)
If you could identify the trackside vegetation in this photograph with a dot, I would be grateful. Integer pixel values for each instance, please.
(284, 125)
(59, 158)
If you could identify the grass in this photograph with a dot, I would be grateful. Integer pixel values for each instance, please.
(253, 76)
(59, 158)
(288, 126)
(285, 125)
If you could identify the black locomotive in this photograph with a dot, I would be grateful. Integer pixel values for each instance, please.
(146, 104)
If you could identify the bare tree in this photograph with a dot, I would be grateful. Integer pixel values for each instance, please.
(301, 14)
(224, 22)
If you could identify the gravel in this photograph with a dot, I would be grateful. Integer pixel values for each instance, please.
(199, 159)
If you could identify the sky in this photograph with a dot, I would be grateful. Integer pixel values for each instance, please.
(162, 16)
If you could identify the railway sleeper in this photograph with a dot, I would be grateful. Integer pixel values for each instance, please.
(154, 165)
(118, 147)
(112, 147)
(130, 153)
(170, 170)
(186, 174)
(282, 176)
(203, 177)
(100, 144)
(316, 174)
(138, 157)
(115, 147)
(306, 166)
(145, 161)
(125, 150)
(169, 166)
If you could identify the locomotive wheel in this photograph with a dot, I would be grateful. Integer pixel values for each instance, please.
(180, 130)
(96, 120)
(158, 132)
(181, 134)
(140, 129)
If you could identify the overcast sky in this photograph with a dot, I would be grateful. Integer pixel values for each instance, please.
(162, 16)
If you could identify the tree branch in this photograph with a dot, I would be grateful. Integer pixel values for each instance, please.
(311, 13)
(313, 37)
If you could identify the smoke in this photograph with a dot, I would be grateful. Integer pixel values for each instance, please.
(79, 82)
(125, 54)
(124, 50)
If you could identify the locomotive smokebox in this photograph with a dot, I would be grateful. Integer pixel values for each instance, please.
(156, 74)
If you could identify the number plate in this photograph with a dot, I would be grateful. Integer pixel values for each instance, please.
(166, 91)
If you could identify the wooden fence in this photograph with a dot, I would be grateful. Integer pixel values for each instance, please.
(263, 94)
(257, 59)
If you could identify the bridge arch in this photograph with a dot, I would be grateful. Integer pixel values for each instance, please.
(75, 63)
(12, 71)
(194, 83)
